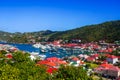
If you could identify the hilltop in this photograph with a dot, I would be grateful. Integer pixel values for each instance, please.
(108, 31)
(26, 37)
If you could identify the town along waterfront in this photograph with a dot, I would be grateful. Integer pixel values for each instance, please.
(59, 52)
(71, 54)
(71, 49)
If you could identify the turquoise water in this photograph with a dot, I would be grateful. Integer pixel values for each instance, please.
(29, 48)
(23, 47)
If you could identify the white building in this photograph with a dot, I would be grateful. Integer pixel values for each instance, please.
(112, 59)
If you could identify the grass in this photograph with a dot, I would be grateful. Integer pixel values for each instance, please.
(92, 65)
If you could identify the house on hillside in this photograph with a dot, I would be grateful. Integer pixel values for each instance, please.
(112, 59)
(95, 56)
(90, 59)
(53, 62)
(9, 56)
(76, 62)
(108, 70)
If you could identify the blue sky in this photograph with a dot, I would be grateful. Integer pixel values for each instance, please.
(36, 15)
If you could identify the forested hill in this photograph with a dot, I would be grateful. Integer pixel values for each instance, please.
(5, 35)
(109, 31)
(27, 37)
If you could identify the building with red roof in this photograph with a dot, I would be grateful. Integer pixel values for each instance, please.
(71, 45)
(91, 59)
(53, 62)
(112, 59)
(51, 70)
(95, 56)
(108, 69)
(53, 59)
(61, 62)
(43, 62)
(75, 59)
(9, 56)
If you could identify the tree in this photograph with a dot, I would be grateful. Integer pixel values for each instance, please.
(71, 73)
(8, 72)
(21, 67)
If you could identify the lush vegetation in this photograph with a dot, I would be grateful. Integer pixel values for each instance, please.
(71, 73)
(21, 67)
(108, 31)
(27, 37)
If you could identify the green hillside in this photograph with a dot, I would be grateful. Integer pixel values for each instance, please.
(27, 37)
(109, 31)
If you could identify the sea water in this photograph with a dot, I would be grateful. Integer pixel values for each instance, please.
(29, 48)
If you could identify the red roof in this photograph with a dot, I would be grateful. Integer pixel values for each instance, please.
(51, 70)
(107, 55)
(43, 62)
(51, 64)
(62, 62)
(48, 63)
(9, 56)
(110, 50)
(109, 66)
(95, 55)
(90, 59)
(115, 68)
(99, 69)
(75, 59)
(104, 62)
(106, 65)
(71, 45)
(81, 62)
(112, 57)
(53, 59)
(118, 56)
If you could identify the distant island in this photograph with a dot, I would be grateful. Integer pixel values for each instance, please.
(108, 31)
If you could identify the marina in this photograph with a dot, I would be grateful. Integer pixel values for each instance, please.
(49, 50)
